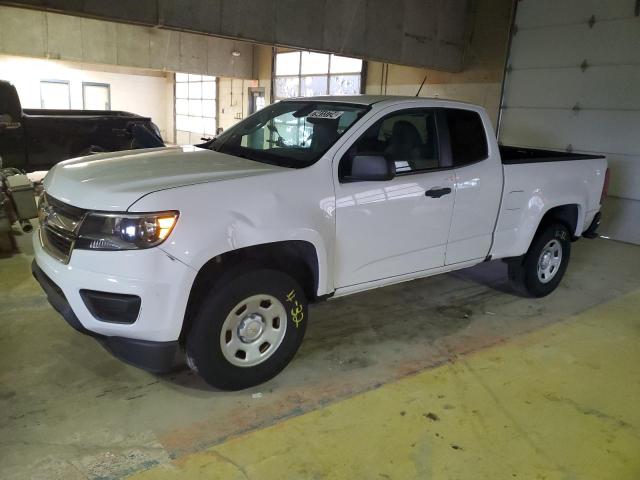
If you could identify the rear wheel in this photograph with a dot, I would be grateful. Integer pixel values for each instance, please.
(542, 268)
(248, 329)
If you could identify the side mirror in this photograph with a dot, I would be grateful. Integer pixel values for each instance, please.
(370, 168)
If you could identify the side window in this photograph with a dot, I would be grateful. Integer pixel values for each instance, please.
(408, 137)
(467, 135)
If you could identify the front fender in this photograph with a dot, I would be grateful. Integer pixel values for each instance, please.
(220, 217)
(255, 238)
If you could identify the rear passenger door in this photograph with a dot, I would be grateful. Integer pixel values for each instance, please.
(478, 183)
(399, 226)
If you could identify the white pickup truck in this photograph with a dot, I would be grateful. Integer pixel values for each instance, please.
(218, 250)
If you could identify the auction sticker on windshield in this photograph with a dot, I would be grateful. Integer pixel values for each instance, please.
(326, 114)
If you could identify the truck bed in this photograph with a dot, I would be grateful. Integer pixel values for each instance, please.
(536, 180)
(38, 112)
(517, 155)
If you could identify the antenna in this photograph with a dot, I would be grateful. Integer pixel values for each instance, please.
(421, 85)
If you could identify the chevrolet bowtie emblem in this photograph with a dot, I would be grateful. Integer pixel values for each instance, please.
(54, 219)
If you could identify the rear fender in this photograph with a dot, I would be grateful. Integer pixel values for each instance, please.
(518, 223)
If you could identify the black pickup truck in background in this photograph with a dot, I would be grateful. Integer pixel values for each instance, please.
(35, 139)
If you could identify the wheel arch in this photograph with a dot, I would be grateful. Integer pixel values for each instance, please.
(571, 215)
(298, 258)
(568, 215)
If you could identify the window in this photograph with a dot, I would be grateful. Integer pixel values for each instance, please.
(55, 94)
(468, 137)
(96, 96)
(307, 74)
(289, 134)
(408, 137)
(196, 109)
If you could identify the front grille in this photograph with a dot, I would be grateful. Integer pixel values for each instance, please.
(59, 224)
(57, 244)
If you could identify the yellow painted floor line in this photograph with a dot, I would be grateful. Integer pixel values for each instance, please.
(559, 403)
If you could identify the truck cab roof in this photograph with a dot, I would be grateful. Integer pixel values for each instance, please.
(368, 100)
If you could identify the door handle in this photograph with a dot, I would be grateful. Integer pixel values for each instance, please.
(437, 192)
(10, 125)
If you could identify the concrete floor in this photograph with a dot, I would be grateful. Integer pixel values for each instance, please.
(559, 403)
(518, 388)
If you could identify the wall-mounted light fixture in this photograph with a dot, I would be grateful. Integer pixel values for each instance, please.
(235, 53)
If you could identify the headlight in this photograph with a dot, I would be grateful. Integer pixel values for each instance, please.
(125, 231)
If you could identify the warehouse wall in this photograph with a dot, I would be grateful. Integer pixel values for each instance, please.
(169, 91)
(480, 79)
(233, 100)
(62, 37)
(133, 90)
(573, 84)
(263, 68)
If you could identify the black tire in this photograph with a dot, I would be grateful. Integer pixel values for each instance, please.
(523, 273)
(204, 343)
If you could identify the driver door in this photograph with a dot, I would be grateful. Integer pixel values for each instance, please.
(400, 226)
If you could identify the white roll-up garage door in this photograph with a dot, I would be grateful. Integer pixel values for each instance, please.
(573, 83)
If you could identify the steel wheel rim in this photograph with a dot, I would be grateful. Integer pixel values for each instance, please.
(253, 330)
(549, 261)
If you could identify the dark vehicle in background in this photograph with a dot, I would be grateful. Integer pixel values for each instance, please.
(36, 139)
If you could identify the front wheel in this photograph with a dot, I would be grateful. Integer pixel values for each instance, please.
(540, 271)
(248, 329)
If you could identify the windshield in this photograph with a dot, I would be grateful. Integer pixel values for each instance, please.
(289, 134)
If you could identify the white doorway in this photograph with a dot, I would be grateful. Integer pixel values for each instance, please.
(96, 96)
(55, 94)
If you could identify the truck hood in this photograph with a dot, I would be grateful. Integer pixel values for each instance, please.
(115, 180)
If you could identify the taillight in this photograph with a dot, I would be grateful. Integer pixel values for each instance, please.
(605, 186)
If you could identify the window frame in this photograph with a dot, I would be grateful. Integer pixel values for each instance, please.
(445, 159)
(301, 76)
(64, 82)
(96, 84)
(484, 129)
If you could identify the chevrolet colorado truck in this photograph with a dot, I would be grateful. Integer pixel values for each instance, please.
(216, 251)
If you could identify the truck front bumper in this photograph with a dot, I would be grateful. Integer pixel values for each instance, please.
(150, 339)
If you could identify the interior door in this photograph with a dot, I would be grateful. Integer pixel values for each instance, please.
(96, 96)
(55, 94)
(256, 99)
(399, 226)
